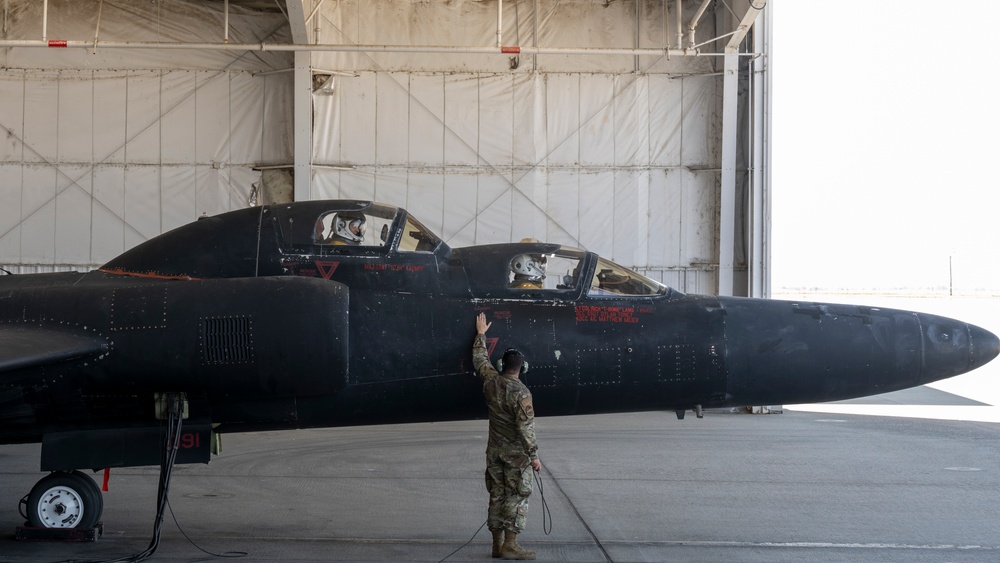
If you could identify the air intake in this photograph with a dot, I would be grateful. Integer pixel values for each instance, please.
(227, 340)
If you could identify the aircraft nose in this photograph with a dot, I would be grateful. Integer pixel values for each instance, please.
(952, 347)
(985, 346)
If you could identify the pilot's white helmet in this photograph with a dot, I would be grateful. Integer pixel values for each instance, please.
(349, 227)
(527, 265)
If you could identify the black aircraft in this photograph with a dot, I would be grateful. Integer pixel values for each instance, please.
(332, 313)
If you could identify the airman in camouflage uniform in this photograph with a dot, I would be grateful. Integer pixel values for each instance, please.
(511, 449)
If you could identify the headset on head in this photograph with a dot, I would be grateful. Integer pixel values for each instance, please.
(524, 364)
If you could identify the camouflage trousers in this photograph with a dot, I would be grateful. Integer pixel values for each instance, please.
(509, 482)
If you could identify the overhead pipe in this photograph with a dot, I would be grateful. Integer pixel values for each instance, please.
(45, 20)
(693, 25)
(666, 26)
(680, 23)
(291, 47)
(97, 30)
(225, 8)
(499, 24)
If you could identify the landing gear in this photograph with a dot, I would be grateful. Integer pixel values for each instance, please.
(65, 499)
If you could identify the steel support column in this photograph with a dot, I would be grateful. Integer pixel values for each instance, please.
(760, 234)
(727, 189)
(730, 138)
(302, 116)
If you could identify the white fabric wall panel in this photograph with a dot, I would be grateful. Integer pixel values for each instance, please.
(496, 119)
(241, 180)
(162, 20)
(276, 131)
(179, 117)
(212, 191)
(142, 117)
(472, 23)
(631, 122)
(108, 236)
(597, 120)
(246, 107)
(73, 215)
(391, 118)
(562, 126)
(424, 193)
(326, 133)
(38, 214)
(11, 116)
(563, 207)
(41, 132)
(110, 103)
(461, 119)
(10, 211)
(391, 184)
(460, 197)
(666, 109)
(402, 22)
(212, 122)
(597, 204)
(700, 233)
(426, 127)
(493, 224)
(593, 160)
(528, 217)
(665, 217)
(356, 137)
(528, 147)
(628, 232)
(97, 161)
(142, 204)
(179, 201)
(326, 184)
(347, 185)
(76, 90)
(700, 120)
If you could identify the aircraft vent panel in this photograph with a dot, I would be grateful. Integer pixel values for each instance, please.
(227, 340)
(677, 363)
(599, 366)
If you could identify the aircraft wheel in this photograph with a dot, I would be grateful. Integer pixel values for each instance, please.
(65, 499)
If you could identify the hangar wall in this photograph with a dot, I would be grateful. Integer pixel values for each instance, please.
(101, 151)
(616, 154)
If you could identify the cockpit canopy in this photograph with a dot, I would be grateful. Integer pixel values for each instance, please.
(550, 271)
(319, 227)
(275, 240)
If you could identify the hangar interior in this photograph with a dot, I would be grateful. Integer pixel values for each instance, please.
(638, 129)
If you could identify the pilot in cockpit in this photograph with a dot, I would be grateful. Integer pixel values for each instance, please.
(528, 271)
(346, 229)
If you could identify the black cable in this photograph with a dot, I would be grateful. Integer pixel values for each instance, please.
(199, 548)
(546, 516)
(545, 505)
(175, 421)
(463, 546)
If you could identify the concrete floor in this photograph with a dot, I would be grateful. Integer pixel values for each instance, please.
(912, 476)
(638, 487)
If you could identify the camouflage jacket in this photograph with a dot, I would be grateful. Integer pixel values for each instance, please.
(512, 416)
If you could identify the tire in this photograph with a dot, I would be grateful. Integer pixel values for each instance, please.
(65, 499)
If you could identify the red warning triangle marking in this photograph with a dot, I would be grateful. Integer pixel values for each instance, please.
(326, 269)
(491, 344)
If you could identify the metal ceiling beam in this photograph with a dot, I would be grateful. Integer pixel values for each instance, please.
(312, 47)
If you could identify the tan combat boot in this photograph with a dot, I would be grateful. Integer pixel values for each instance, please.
(511, 550)
(497, 542)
